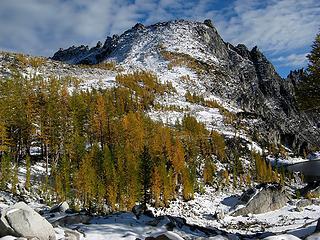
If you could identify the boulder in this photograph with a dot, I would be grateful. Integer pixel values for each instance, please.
(22, 221)
(138, 210)
(72, 219)
(61, 207)
(265, 198)
(72, 235)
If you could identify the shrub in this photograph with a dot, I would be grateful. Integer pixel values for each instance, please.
(22, 59)
(36, 62)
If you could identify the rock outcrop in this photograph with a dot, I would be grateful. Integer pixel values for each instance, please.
(263, 199)
(22, 221)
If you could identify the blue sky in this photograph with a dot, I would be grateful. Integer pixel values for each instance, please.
(283, 29)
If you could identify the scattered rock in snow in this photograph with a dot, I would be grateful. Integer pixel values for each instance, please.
(72, 235)
(22, 221)
(303, 203)
(266, 198)
(72, 219)
(138, 210)
(61, 207)
(316, 201)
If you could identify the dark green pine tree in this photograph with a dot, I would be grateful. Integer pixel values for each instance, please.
(308, 91)
(145, 175)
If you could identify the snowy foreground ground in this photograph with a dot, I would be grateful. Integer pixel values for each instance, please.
(201, 211)
(211, 210)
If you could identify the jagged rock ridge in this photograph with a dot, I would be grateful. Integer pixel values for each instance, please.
(242, 77)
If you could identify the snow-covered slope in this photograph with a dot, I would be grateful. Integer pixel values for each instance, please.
(193, 57)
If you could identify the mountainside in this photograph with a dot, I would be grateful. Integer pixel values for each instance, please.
(163, 132)
(243, 78)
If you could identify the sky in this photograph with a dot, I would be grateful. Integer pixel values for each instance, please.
(282, 29)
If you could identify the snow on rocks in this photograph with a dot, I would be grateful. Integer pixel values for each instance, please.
(22, 221)
(267, 198)
(61, 207)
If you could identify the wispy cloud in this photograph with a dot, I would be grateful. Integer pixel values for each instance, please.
(275, 25)
(40, 27)
(281, 28)
(292, 60)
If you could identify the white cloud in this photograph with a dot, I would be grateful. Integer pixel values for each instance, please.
(40, 27)
(275, 25)
(292, 60)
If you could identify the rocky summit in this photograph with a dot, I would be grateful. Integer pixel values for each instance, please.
(241, 77)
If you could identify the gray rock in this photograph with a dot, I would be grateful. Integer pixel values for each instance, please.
(316, 201)
(208, 22)
(303, 203)
(268, 198)
(61, 207)
(72, 235)
(138, 210)
(5, 228)
(22, 221)
(72, 219)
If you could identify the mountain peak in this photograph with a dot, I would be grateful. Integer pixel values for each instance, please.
(178, 35)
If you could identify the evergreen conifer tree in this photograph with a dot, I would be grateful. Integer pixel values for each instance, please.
(308, 91)
(145, 175)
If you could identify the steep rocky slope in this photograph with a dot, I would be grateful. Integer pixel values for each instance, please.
(241, 78)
